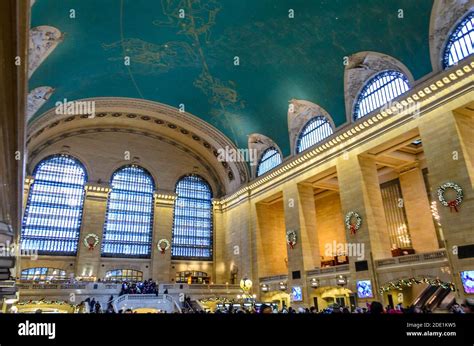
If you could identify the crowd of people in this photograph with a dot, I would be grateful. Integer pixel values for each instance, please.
(141, 287)
(371, 308)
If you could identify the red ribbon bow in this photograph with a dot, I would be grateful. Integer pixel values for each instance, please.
(292, 245)
(91, 247)
(453, 205)
(353, 229)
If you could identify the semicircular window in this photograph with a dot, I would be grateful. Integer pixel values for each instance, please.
(192, 223)
(380, 90)
(315, 130)
(123, 275)
(129, 221)
(42, 274)
(53, 213)
(269, 160)
(461, 42)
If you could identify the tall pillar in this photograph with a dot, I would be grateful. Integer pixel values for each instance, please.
(14, 25)
(300, 216)
(445, 150)
(219, 272)
(162, 229)
(360, 192)
(418, 211)
(93, 218)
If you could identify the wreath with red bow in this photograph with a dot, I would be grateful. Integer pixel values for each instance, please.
(454, 203)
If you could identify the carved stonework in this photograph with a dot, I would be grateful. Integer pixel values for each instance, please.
(299, 113)
(183, 130)
(37, 98)
(445, 16)
(362, 66)
(43, 40)
(260, 143)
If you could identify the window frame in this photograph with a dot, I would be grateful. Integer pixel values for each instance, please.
(451, 40)
(138, 277)
(211, 221)
(262, 160)
(302, 134)
(375, 94)
(54, 185)
(120, 211)
(25, 276)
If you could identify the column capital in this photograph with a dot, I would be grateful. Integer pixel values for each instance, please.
(96, 190)
(165, 197)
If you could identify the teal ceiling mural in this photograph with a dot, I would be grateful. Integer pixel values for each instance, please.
(192, 60)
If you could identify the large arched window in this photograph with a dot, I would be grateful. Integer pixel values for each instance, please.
(315, 130)
(461, 42)
(43, 274)
(124, 275)
(192, 224)
(269, 160)
(53, 214)
(379, 90)
(129, 221)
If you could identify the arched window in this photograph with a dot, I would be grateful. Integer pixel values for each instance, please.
(269, 160)
(53, 214)
(315, 130)
(124, 275)
(42, 274)
(379, 90)
(129, 221)
(461, 42)
(192, 224)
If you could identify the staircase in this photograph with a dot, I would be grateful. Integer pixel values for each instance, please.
(160, 302)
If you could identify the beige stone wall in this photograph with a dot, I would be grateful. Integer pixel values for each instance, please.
(271, 239)
(330, 224)
(418, 212)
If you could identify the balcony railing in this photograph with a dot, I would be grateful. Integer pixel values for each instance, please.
(435, 256)
(328, 270)
(274, 278)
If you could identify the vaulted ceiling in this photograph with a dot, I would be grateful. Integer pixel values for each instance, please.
(191, 60)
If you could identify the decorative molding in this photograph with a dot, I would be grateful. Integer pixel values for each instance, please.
(299, 115)
(343, 140)
(36, 99)
(51, 140)
(260, 143)
(445, 16)
(362, 67)
(160, 117)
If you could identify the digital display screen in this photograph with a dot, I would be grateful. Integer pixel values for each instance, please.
(297, 293)
(364, 289)
(467, 278)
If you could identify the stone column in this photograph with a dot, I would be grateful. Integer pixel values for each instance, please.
(14, 25)
(418, 211)
(300, 215)
(360, 192)
(162, 229)
(219, 272)
(445, 150)
(93, 218)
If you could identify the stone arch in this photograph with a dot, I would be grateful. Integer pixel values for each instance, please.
(445, 16)
(258, 144)
(299, 113)
(361, 67)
